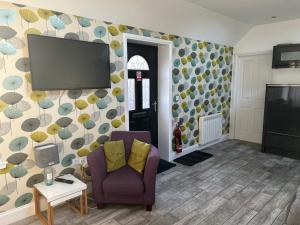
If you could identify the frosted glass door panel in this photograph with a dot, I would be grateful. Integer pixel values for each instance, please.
(146, 93)
(131, 94)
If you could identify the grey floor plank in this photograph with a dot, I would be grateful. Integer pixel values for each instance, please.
(242, 217)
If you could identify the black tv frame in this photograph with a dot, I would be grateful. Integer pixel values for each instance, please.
(75, 88)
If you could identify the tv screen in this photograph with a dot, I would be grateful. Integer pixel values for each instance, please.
(64, 64)
(283, 109)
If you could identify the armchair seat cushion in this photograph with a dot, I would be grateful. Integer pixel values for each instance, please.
(124, 181)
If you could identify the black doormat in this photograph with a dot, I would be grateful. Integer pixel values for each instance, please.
(164, 165)
(193, 158)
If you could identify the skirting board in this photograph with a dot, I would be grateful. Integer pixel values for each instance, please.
(197, 147)
(17, 214)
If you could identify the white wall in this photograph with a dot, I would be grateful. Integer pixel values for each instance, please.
(263, 37)
(177, 17)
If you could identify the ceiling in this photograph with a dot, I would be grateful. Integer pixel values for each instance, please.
(254, 12)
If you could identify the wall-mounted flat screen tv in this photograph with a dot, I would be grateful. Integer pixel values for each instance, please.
(64, 64)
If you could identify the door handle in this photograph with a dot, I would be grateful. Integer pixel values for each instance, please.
(155, 105)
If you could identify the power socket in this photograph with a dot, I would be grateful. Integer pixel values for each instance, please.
(83, 160)
(3, 165)
(80, 161)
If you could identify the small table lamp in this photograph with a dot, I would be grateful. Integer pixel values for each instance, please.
(46, 156)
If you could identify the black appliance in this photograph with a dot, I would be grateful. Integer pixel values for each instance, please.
(286, 56)
(63, 64)
(281, 133)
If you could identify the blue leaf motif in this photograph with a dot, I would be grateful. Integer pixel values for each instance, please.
(45, 103)
(133, 31)
(100, 31)
(104, 128)
(89, 124)
(119, 52)
(7, 48)
(147, 33)
(12, 82)
(120, 98)
(84, 22)
(101, 104)
(65, 109)
(176, 62)
(56, 22)
(7, 16)
(18, 172)
(18, 143)
(12, 112)
(67, 160)
(176, 42)
(64, 134)
(23, 200)
(3, 200)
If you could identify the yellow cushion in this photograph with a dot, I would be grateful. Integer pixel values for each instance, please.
(138, 155)
(115, 155)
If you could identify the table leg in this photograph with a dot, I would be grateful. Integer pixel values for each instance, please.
(85, 202)
(36, 201)
(82, 204)
(50, 214)
(49, 220)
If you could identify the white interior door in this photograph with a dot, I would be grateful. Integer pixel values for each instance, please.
(253, 73)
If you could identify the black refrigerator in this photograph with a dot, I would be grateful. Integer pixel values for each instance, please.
(281, 132)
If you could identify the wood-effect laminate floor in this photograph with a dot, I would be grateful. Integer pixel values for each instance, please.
(238, 186)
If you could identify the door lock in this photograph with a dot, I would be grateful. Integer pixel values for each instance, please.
(155, 105)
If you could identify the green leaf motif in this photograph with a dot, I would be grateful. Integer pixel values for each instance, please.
(28, 15)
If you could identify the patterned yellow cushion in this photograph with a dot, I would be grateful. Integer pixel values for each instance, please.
(115, 155)
(138, 155)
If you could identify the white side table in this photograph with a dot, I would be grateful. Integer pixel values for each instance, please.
(59, 193)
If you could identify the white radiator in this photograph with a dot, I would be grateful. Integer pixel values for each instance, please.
(210, 128)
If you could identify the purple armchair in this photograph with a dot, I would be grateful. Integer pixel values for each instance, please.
(124, 185)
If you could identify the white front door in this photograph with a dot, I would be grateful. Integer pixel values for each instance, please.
(252, 75)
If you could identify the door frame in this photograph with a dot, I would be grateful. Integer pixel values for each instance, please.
(164, 88)
(234, 86)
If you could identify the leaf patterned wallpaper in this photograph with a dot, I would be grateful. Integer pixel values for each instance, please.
(79, 121)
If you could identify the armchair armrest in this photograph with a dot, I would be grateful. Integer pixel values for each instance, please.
(150, 175)
(97, 164)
